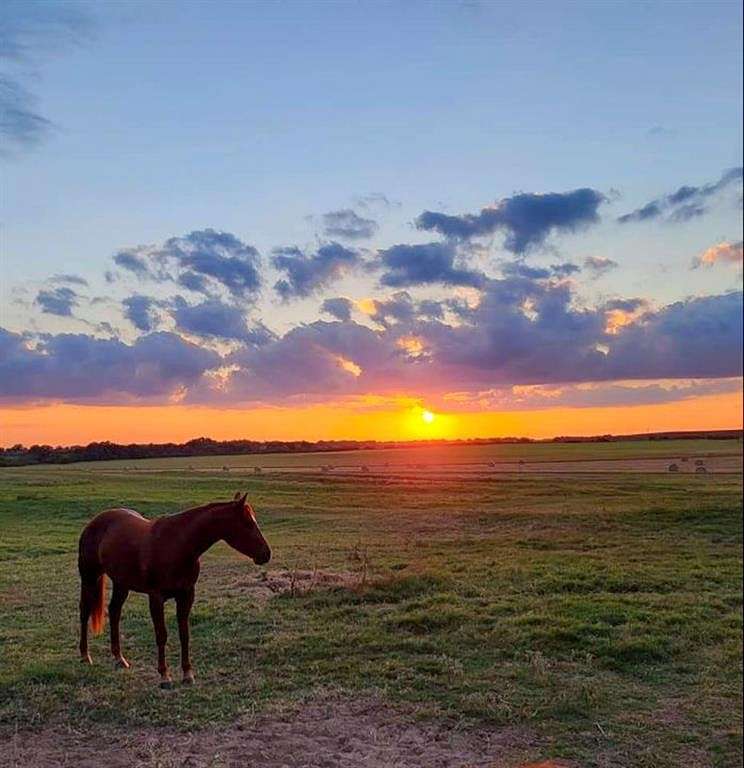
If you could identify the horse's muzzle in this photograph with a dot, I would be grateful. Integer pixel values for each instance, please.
(263, 557)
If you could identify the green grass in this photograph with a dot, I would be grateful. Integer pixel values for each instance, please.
(603, 613)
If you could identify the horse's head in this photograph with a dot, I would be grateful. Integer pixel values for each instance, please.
(244, 534)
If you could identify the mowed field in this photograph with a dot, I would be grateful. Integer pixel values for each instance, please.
(410, 615)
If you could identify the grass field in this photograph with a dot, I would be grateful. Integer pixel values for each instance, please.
(599, 614)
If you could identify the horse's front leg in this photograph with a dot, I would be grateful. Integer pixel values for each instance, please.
(184, 601)
(118, 596)
(157, 613)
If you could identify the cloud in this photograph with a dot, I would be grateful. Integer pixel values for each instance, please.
(340, 308)
(724, 252)
(80, 368)
(565, 269)
(29, 33)
(204, 261)
(520, 269)
(134, 260)
(588, 395)
(686, 203)
(57, 301)
(141, 311)
(308, 273)
(409, 265)
(69, 279)
(212, 318)
(697, 338)
(599, 266)
(525, 219)
(376, 200)
(348, 225)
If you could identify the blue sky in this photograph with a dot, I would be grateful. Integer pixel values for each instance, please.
(257, 119)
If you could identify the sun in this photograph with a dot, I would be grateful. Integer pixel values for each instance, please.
(427, 416)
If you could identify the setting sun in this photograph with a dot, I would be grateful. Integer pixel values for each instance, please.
(427, 416)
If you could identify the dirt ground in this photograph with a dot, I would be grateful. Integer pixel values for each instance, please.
(334, 733)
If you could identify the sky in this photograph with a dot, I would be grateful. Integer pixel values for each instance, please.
(316, 220)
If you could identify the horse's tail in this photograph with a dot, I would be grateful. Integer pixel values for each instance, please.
(97, 610)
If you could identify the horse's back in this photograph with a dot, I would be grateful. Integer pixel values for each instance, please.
(115, 542)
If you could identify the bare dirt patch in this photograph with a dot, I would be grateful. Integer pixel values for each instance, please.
(333, 733)
(261, 587)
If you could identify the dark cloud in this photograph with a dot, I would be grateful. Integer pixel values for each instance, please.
(409, 265)
(520, 269)
(133, 260)
(399, 307)
(78, 367)
(697, 338)
(526, 220)
(212, 318)
(141, 311)
(599, 266)
(565, 269)
(523, 332)
(308, 273)
(204, 261)
(29, 34)
(348, 225)
(339, 307)
(686, 203)
(57, 301)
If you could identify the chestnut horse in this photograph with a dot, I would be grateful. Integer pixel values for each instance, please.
(159, 557)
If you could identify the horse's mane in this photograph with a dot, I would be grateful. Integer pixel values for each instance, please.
(203, 507)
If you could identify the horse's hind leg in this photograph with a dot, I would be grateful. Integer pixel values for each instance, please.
(157, 614)
(118, 596)
(87, 602)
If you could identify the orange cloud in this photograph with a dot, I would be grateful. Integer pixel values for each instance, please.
(724, 252)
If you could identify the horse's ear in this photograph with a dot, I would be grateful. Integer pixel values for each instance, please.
(237, 495)
(242, 499)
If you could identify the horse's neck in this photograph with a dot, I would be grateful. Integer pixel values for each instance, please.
(198, 529)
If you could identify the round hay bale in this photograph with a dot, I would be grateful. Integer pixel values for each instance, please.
(225, 469)
(674, 467)
(257, 470)
(700, 470)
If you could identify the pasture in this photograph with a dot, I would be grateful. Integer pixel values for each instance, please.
(488, 617)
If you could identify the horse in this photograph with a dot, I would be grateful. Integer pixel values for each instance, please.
(159, 558)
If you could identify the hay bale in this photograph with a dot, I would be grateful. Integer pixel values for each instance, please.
(257, 470)
(674, 467)
(225, 469)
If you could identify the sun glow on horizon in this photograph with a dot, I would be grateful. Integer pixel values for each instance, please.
(427, 416)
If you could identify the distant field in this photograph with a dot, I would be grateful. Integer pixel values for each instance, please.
(593, 618)
(438, 456)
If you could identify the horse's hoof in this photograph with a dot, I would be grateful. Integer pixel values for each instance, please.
(188, 679)
(166, 685)
(86, 659)
(121, 663)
